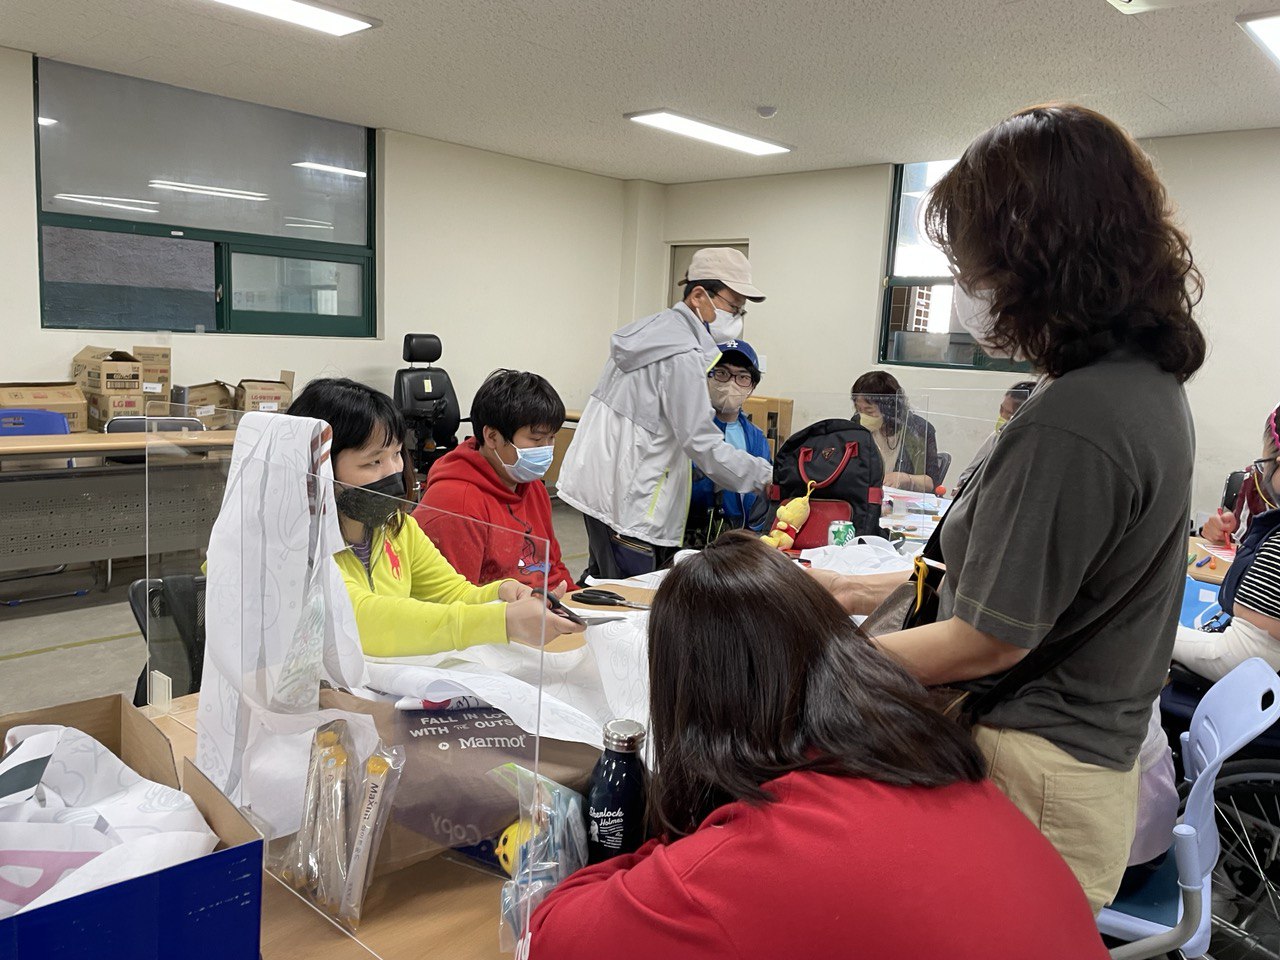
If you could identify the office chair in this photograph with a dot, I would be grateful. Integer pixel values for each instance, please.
(1171, 910)
(1231, 490)
(150, 425)
(426, 397)
(170, 614)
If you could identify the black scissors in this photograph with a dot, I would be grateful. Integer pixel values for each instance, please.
(596, 597)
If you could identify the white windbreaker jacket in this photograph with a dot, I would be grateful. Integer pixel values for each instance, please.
(649, 418)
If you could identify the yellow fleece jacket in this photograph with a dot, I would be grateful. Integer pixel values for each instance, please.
(411, 602)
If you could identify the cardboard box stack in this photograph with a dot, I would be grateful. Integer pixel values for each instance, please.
(157, 368)
(773, 416)
(207, 402)
(112, 384)
(63, 397)
(268, 396)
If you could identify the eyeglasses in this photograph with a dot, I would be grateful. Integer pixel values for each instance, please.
(739, 312)
(1260, 466)
(724, 375)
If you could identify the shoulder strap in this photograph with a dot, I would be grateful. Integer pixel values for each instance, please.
(1046, 656)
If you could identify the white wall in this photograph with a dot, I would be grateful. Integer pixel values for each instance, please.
(490, 252)
(817, 249)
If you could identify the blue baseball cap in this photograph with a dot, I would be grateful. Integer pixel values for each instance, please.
(744, 351)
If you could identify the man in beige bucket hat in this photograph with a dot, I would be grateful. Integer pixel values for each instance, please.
(629, 467)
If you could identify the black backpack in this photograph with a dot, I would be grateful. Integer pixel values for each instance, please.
(841, 457)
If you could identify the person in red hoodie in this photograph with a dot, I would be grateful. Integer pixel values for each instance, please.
(811, 802)
(496, 477)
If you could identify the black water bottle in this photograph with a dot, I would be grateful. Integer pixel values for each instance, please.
(616, 796)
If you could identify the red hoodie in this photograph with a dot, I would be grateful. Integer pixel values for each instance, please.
(836, 868)
(463, 484)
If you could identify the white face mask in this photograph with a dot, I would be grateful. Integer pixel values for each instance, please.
(973, 312)
(725, 327)
(727, 398)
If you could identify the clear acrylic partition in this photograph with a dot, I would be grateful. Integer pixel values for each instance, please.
(909, 451)
(966, 420)
(383, 763)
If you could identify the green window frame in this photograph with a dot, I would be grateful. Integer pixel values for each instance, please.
(893, 281)
(226, 245)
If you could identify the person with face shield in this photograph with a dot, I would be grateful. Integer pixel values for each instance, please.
(1013, 398)
(712, 511)
(496, 477)
(628, 469)
(1250, 594)
(1064, 555)
(408, 600)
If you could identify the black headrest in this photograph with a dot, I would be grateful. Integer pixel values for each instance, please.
(421, 347)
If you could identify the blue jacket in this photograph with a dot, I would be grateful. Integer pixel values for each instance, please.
(736, 506)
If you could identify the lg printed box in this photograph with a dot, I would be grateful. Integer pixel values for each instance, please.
(208, 402)
(157, 367)
(62, 397)
(106, 370)
(107, 406)
(268, 396)
(209, 908)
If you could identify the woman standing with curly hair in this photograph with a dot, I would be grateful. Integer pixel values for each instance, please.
(1064, 252)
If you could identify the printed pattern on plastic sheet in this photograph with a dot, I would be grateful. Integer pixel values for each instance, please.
(581, 689)
(75, 818)
(279, 619)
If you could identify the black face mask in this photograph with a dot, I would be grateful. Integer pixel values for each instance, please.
(370, 505)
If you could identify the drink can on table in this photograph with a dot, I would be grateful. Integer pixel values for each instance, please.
(840, 532)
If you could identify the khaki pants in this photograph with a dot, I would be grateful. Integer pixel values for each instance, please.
(1088, 813)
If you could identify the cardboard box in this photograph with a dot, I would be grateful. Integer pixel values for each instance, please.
(61, 397)
(208, 402)
(205, 909)
(106, 406)
(268, 396)
(773, 416)
(157, 367)
(106, 370)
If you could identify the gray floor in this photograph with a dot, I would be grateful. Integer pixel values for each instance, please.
(61, 650)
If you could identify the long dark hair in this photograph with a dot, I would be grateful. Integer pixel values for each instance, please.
(1059, 213)
(884, 390)
(756, 672)
(356, 413)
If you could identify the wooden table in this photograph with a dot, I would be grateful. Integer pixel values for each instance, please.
(1196, 545)
(439, 908)
(111, 444)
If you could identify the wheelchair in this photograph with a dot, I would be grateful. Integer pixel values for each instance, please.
(1246, 880)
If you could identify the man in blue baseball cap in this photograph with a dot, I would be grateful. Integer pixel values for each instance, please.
(730, 382)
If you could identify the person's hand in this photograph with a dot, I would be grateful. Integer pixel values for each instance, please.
(898, 479)
(1219, 527)
(560, 590)
(531, 623)
(513, 590)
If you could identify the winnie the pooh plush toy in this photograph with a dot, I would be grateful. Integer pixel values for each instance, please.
(791, 517)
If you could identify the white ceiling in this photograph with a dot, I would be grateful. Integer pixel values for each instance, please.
(854, 81)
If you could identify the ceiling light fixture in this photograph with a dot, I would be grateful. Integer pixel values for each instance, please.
(227, 193)
(120, 203)
(46, 121)
(1264, 30)
(688, 127)
(346, 172)
(314, 16)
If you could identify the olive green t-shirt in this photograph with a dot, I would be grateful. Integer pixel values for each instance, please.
(1081, 490)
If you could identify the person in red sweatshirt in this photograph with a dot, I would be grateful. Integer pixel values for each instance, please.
(496, 477)
(811, 801)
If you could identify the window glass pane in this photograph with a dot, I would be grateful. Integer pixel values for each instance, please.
(923, 329)
(914, 256)
(124, 281)
(131, 149)
(294, 285)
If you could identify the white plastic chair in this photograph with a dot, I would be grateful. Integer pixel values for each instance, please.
(1172, 909)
